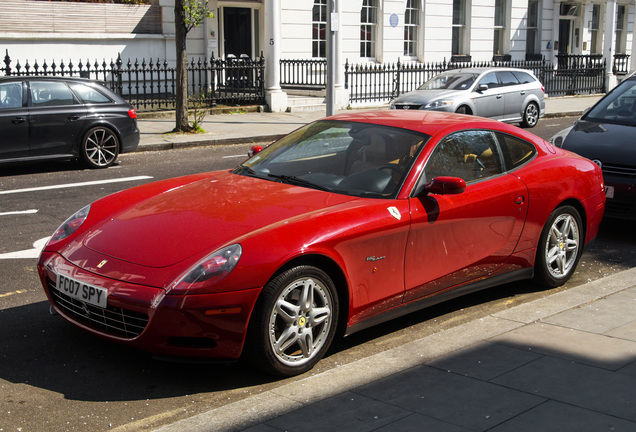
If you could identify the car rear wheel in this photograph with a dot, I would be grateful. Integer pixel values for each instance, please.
(530, 115)
(100, 147)
(560, 247)
(294, 322)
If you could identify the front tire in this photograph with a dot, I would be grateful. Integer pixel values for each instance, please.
(294, 322)
(100, 147)
(530, 115)
(560, 247)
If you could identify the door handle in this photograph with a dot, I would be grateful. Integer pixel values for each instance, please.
(523, 92)
(499, 96)
(73, 117)
(520, 200)
(18, 120)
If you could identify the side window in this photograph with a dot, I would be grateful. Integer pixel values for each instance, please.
(490, 79)
(51, 93)
(515, 151)
(470, 155)
(507, 78)
(10, 95)
(523, 77)
(88, 94)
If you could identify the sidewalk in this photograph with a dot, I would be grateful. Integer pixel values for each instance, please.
(261, 127)
(563, 363)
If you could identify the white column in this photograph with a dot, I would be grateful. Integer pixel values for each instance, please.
(275, 97)
(609, 37)
(556, 16)
(341, 95)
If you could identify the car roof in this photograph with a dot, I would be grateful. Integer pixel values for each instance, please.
(424, 121)
(48, 77)
(480, 70)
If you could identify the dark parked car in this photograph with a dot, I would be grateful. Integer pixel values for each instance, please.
(605, 134)
(505, 94)
(64, 118)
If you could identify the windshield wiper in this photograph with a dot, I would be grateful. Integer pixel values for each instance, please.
(245, 170)
(299, 182)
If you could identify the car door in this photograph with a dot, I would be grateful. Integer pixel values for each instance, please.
(459, 238)
(488, 101)
(514, 95)
(56, 118)
(14, 125)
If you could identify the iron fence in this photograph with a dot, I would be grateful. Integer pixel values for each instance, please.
(303, 74)
(379, 83)
(151, 85)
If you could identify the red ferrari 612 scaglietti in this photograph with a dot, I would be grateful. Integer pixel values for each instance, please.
(345, 223)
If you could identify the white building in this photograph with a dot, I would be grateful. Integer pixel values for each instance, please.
(369, 31)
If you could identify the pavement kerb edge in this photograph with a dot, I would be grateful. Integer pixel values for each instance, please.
(264, 406)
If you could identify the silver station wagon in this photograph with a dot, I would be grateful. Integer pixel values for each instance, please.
(506, 94)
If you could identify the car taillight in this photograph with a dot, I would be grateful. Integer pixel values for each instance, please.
(132, 113)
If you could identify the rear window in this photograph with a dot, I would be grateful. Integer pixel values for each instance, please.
(523, 77)
(89, 95)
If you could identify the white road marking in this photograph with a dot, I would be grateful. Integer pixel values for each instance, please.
(29, 253)
(71, 185)
(18, 212)
(235, 156)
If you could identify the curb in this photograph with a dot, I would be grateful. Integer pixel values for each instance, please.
(260, 408)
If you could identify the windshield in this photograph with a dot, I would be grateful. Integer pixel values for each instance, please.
(619, 106)
(450, 81)
(352, 158)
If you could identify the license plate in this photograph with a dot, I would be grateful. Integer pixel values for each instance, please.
(81, 291)
(609, 191)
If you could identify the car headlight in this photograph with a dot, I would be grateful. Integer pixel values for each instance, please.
(70, 225)
(558, 139)
(438, 104)
(210, 269)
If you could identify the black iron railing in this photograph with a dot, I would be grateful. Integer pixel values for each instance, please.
(373, 83)
(621, 64)
(303, 74)
(151, 85)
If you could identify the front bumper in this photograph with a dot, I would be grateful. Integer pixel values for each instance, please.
(206, 325)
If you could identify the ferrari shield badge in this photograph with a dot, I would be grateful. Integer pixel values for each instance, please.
(395, 212)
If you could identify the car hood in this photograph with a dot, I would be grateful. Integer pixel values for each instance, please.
(607, 142)
(426, 96)
(200, 217)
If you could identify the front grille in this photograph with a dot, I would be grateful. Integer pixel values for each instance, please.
(407, 106)
(621, 170)
(618, 208)
(114, 321)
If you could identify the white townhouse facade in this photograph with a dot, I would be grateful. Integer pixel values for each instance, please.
(368, 31)
(378, 31)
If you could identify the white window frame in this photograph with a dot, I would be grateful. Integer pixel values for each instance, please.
(369, 14)
(412, 28)
(318, 23)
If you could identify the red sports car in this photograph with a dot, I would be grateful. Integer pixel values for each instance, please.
(345, 223)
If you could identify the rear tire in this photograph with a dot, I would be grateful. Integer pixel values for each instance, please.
(294, 322)
(560, 247)
(100, 147)
(530, 115)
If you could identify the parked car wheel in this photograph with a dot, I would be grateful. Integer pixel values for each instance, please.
(296, 321)
(100, 147)
(530, 115)
(464, 110)
(560, 247)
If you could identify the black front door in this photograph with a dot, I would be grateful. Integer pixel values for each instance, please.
(237, 31)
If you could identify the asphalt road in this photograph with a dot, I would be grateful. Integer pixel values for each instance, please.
(54, 377)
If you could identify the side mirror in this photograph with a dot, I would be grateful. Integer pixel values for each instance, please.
(445, 186)
(482, 88)
(254, 150)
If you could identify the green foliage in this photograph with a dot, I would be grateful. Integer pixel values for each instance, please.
(195, 13)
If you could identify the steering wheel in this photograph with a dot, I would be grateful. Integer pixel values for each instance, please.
(392, 167)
